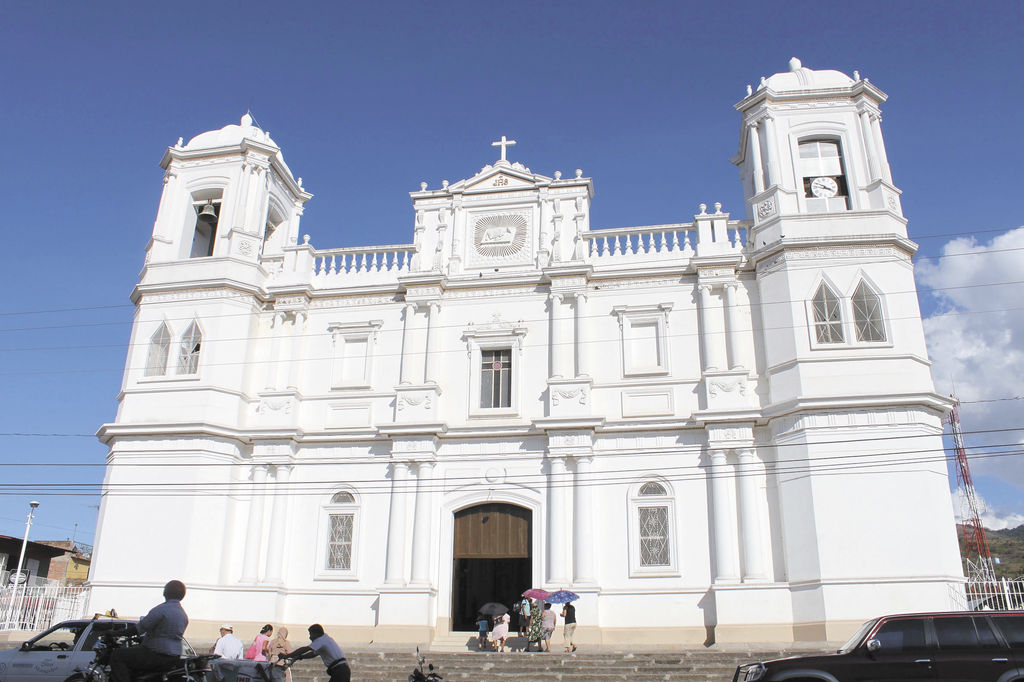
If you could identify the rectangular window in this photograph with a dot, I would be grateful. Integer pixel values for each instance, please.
(496, 378)
(654, 549)
(339, 542)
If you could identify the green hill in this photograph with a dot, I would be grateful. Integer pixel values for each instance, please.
(1008, 546)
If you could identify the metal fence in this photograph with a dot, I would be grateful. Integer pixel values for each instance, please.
(998, 595)
(39, 607)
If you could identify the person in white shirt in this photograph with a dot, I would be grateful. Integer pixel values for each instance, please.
(228, 646)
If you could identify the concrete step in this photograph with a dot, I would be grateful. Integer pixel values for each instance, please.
(599, 666)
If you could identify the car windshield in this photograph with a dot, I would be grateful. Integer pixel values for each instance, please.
(857, 636)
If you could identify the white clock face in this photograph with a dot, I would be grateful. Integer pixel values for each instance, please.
(824, 187)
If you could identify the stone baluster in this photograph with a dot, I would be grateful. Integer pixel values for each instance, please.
(394, 570)
(254, 531)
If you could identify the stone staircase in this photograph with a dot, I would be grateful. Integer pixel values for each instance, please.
(683, 665)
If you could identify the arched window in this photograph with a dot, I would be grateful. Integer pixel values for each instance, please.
(338, 538)
(652, 547)
(159, 350)
(867, 314)
(828, 320)
(188, 354)
(821, 169)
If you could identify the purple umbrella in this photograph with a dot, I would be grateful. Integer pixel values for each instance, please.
(562, 597)
(534, 593)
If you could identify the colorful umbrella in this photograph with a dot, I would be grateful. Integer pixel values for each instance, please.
(562, 597)
(534, 593)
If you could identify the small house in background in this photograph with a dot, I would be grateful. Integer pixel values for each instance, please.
(71, 568)
(38, 557)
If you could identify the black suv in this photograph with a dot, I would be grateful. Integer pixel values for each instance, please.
(971, 646)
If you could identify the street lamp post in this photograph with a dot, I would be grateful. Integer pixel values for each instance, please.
(21, 560)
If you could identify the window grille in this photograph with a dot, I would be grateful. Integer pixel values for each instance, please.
(343, 498)
(867, 314)
(828, 322)
(496, 378)
(159, 350)
(654, 549)
(188, 359)
(652, 489)
(339, 541)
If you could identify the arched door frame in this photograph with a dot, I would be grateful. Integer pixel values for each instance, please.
(524, 498)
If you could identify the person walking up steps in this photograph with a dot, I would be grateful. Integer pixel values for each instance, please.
(569, 630)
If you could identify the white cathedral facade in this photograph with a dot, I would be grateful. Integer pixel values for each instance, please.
(723, 429)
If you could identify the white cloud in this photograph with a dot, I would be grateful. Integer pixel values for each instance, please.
(993, 519)
(976, 344)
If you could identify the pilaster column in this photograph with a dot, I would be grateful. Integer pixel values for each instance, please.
(275, 350)
(732, 328)
(557, 341)
(774, 173)
(883, 158)
(755, 155)
(278, 527)
(708, 347)
(869, 143)
(724, 529)
(421, 526)
(394, 571)
(296, 355)
(750, 526)
(580, 338)
(556, 540)
(284, 360)
(254, 530)
(583, 524)
(430, 363)
(407, 332)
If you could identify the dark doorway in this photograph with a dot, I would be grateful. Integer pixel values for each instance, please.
(491, 559)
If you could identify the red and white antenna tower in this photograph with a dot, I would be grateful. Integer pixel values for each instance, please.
(979, 566)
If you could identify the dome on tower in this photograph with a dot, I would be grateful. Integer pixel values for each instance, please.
(799, 77)
(230, 135)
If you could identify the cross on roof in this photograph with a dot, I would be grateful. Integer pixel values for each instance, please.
(503, 143)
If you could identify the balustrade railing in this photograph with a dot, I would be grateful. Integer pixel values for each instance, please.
(654, 242)
(363, 260)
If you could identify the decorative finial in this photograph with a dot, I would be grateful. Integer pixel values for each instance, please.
(856, 75)
(718, 207)
(246, 120)
(444, 184)
(764, 81)
(423, 187)
(794, 64)
(750, 90)
(305, 239)
(703, 209)
(299, 182)
(558, 175)
(579, 172)
(181, 140)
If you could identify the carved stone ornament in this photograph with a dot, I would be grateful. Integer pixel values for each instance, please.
(719, 386)
(280, 406)
(893, 204)
(408, 401)
(500, 235)
(577, 394)
(766, 208)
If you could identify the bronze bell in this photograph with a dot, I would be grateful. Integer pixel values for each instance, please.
(209, 214)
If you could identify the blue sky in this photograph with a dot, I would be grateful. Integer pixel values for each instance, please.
(369, 99)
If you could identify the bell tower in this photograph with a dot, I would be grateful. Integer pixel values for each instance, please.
(227, 192)
(811, 145)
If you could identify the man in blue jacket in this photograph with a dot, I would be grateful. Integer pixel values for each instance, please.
(162, 630)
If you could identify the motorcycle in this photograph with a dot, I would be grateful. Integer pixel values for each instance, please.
(187, 669)
(418, 675)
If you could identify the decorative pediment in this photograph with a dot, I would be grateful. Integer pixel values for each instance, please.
(501, 177)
